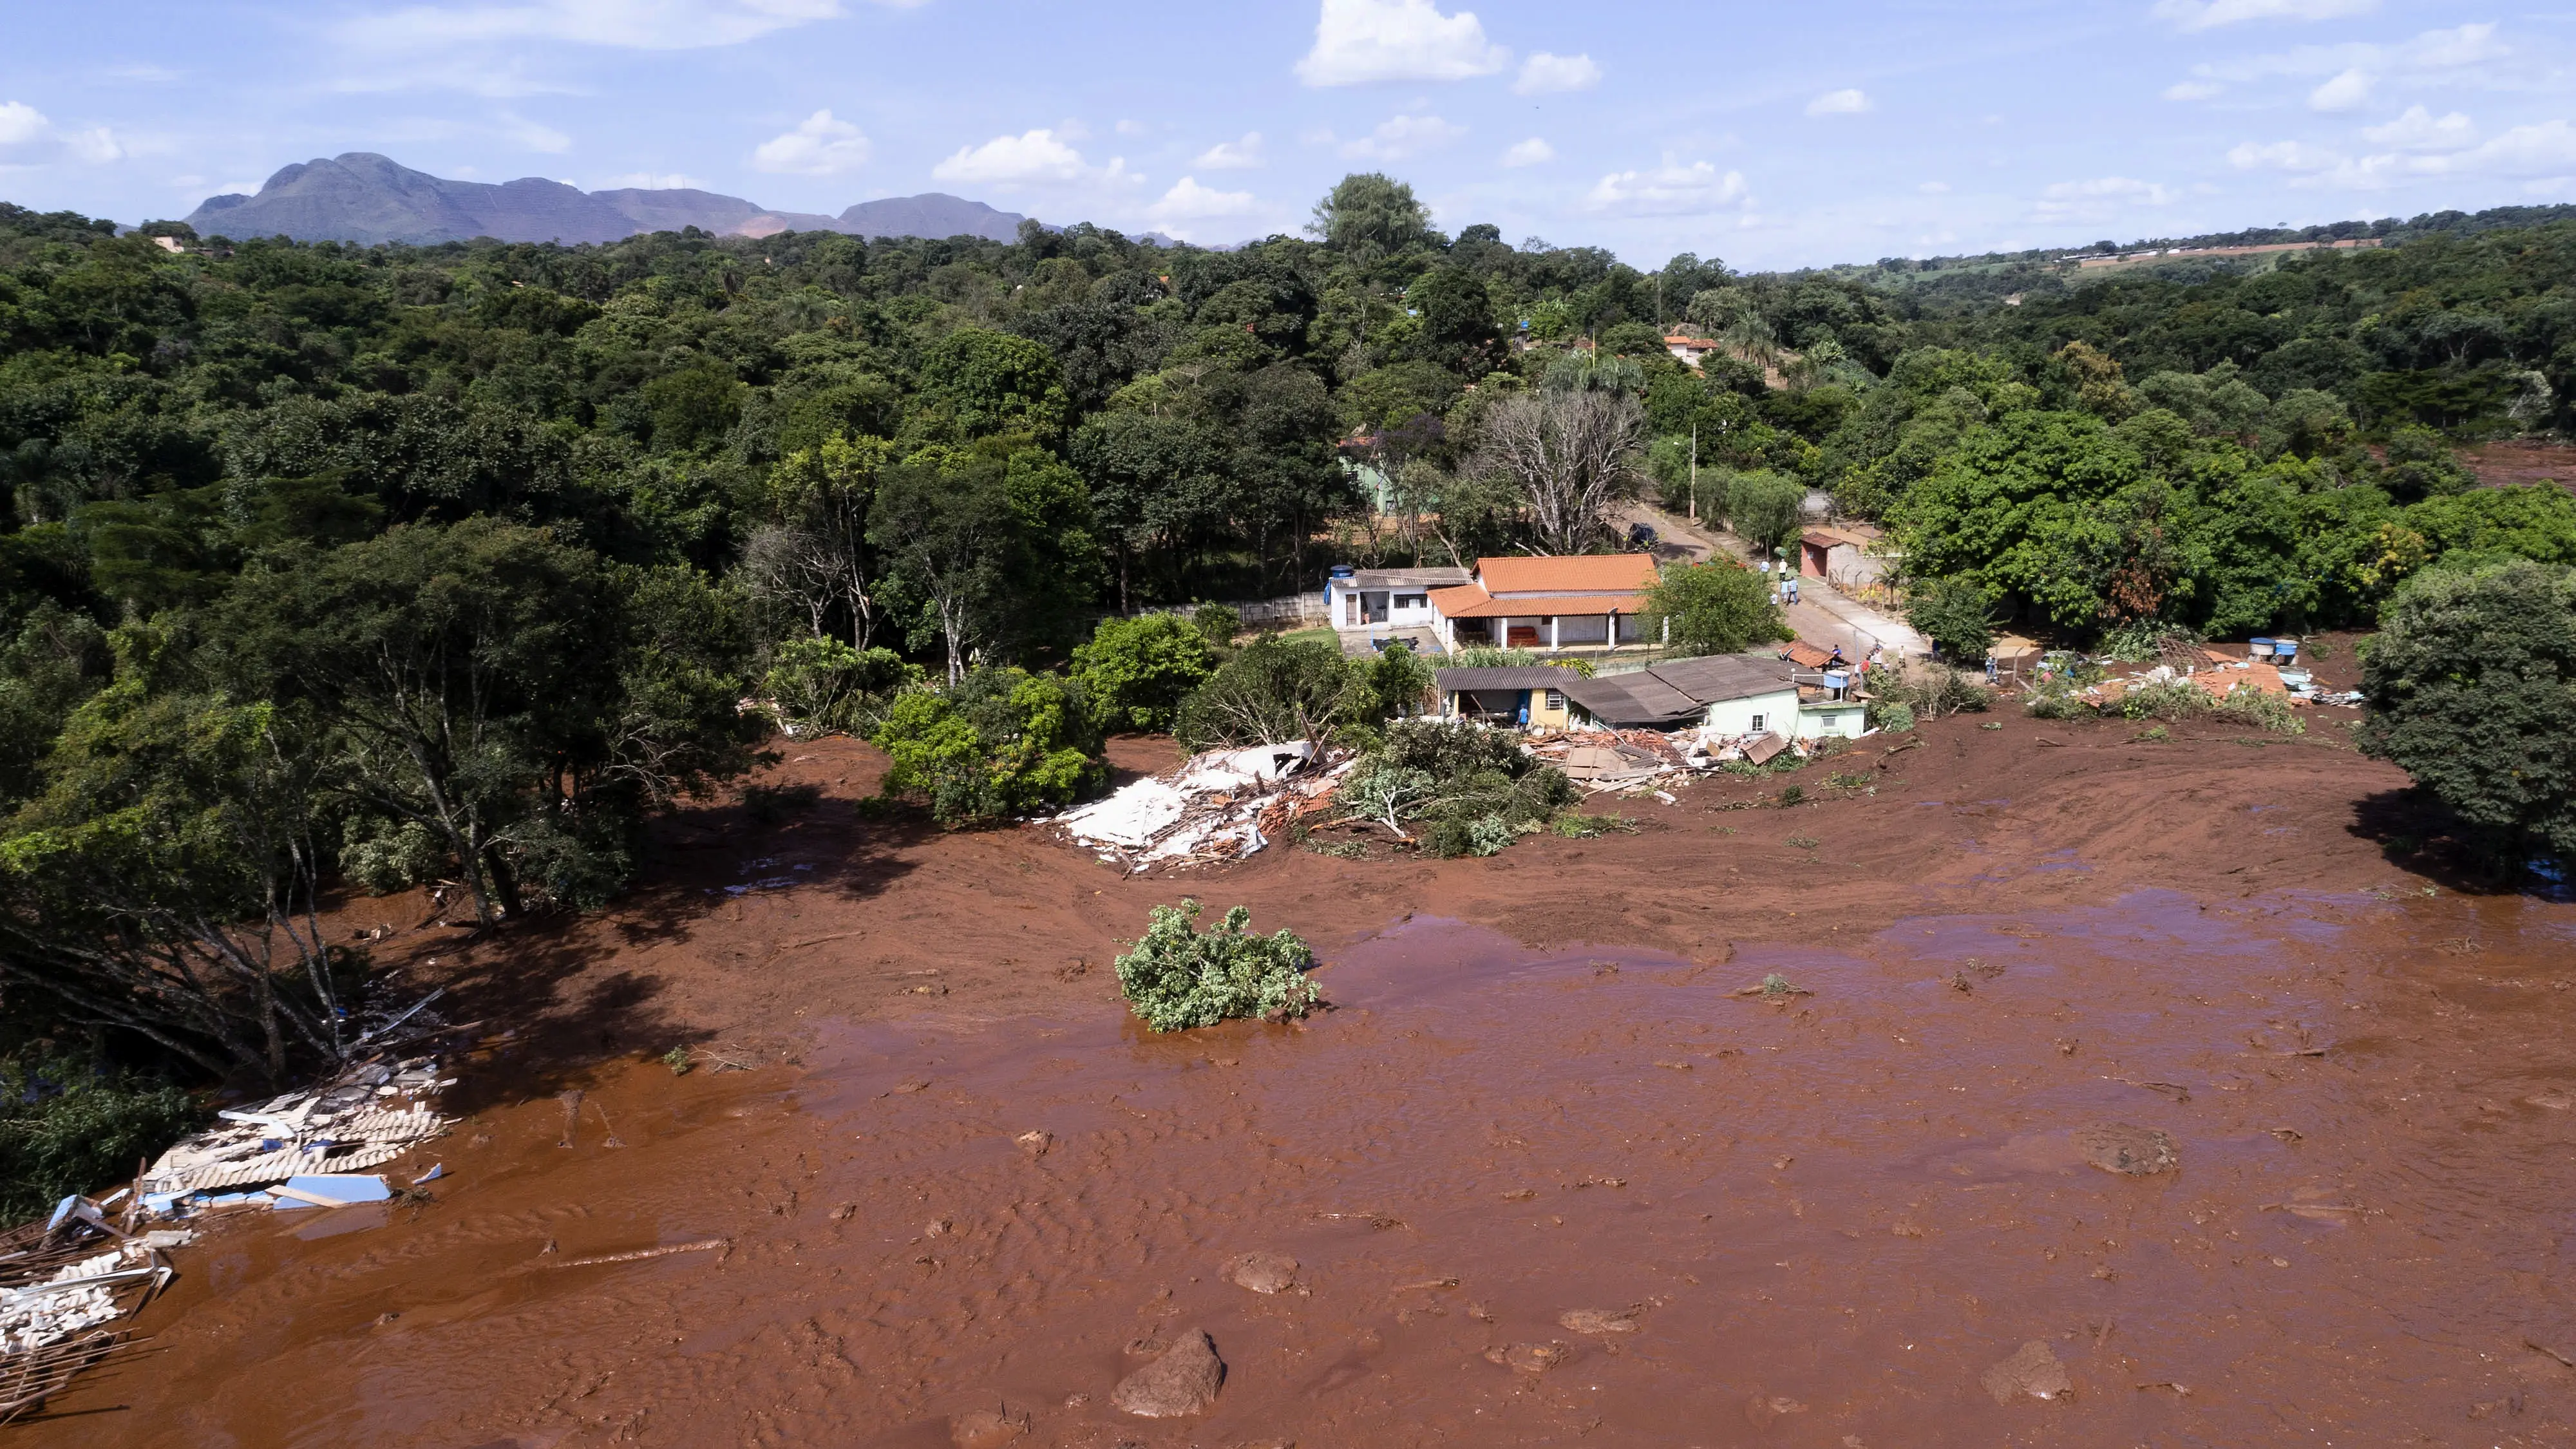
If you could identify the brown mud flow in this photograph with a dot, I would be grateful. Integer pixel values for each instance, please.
(2151, 1171)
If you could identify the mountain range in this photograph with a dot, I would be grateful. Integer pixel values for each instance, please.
(366, 198)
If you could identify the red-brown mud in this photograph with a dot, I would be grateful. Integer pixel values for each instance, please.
(1546, 1176)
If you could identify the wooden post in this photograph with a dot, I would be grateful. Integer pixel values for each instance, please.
(1553, 634)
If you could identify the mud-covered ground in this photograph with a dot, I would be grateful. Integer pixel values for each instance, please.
(1546, 1177)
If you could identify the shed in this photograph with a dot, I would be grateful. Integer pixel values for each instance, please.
(1528, 697)
(1633, 701)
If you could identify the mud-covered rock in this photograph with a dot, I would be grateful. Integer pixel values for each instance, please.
(1527, 1358)
(2032, 1372)
(1598, 1320)
(1183, 1379)
(2129, 1151)
(986, 1428)
(1262, 1272)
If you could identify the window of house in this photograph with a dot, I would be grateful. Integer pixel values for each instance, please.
(1759, 721)
(1556, 699)
(1413, 601)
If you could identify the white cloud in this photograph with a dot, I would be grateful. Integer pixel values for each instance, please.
(29, 138)
(1838, 103)
(1400, 137)
(2418, 130)
(1240, 155)
(1188, 202)
(2209, 14)
(1545, 74)
(821, 145)
(1132, 128)
(2347, 91)
(1032, 158)
(2192, 90)
(1671, 189)
(2100, 197)
(653, 181)
(1933, 188)
(1359, 41)
(536, 136)
(2428, 55)
(2282, 156)
(1533, 152)
(628, 24)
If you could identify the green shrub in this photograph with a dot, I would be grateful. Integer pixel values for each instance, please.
(2164, 699)
(1957, 616)
(1179, 977)
(1218, 624)
(2471, 681)
(1930, 690)
(1484, 656)
(822, 686)
(1712, 608)
(70, 1127)
(1137, 671)
(2145, 641)
(1399, 683)
(2054, 699)
(1892, 715)
(384, 856)
(1276, 691)
(1585, 827)
(1000, 743)
(2270, 711)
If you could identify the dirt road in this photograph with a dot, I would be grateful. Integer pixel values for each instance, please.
(1544, 1175)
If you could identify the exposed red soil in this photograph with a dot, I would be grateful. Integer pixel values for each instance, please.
(1825, 1220)
(2522, 461)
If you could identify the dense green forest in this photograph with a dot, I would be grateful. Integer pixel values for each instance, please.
(328, 565)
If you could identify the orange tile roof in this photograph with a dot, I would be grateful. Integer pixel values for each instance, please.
(1575, 574)
(1480, 606)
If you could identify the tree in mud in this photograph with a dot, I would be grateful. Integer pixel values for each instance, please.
(1720, 607)
(165, 881)
(504, 692)
(2471, 683)
(1179, 977)
(998, 743)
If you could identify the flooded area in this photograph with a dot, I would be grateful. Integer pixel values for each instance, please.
(1532, 1196)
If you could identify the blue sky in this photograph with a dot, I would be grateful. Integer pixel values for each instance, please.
(1768, 135)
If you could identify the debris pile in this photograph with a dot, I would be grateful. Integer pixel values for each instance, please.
(1222, 805)
(63, 1284)
(1605, 760)
(370, 1113)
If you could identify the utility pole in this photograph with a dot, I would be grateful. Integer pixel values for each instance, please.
(1694, 473)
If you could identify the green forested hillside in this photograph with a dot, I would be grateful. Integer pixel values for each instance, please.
(327, 564)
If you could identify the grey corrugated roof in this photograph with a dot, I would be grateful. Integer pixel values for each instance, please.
(1504, 677)
(1443, 578)
(1631, 699)
(1724, 676)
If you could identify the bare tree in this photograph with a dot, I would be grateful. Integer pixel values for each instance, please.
(1570, 454)
(808, 573)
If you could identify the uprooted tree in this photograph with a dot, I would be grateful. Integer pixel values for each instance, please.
(1179, 977)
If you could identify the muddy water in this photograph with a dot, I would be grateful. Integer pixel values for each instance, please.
(1815, 1222)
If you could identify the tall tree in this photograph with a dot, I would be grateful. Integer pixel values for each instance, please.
(1570, 453)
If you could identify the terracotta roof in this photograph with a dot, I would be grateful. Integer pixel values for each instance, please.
(1578, 573)
(1806, 655)
(1677, 340)
(1474, 603)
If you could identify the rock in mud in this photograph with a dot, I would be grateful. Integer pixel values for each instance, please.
(1527, 1358)
(1599, 1320)
(1263, 1272)
(2129, 1151)
(1035, 1144)
(1183, 1380)
(2033, 1371)
(986, 1428)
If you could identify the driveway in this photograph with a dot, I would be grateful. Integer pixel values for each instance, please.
(1821, 616)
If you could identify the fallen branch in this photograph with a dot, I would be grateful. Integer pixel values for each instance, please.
(640, 1254)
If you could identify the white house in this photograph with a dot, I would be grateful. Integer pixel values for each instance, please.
(1386, 598)
(1588, 600)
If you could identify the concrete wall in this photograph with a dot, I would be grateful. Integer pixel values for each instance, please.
(1778, 712)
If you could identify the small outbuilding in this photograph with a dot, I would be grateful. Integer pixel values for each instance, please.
(1531, 697)
(1386, 598)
